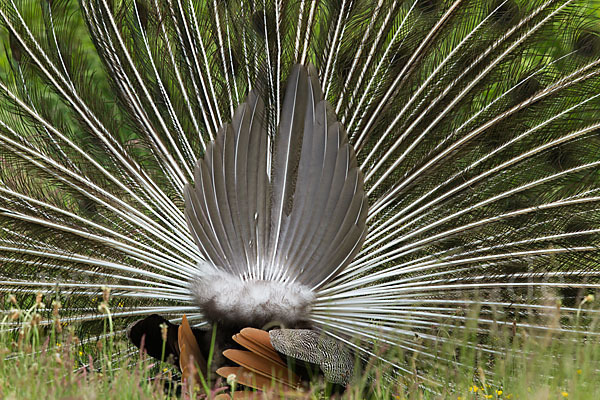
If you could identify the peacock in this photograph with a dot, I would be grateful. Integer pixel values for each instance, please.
(301, 180)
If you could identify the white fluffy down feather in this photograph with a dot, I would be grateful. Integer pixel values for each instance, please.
(226, 299)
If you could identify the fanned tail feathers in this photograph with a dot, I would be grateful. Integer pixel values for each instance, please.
(391, 163)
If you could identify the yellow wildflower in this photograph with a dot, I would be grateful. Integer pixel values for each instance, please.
(589, 298)
(565, 394)
(488, 396)
(80, 353)
(579, 372)
(499, 392)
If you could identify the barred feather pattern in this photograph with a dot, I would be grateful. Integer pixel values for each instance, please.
(332, 356)
(476, 126)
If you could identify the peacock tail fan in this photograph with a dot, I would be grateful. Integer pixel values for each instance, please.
(371, 169)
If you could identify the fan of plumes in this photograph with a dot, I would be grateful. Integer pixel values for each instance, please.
(475, 125)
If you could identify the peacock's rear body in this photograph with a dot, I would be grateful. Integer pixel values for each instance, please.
(472, 135)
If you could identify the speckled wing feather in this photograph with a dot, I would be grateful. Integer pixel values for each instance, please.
(334, 358)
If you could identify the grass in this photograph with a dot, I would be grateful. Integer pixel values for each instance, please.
(51, 362)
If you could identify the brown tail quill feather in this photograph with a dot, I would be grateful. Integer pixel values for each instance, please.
(259, 368)
(258, 341)
(190, 357)
(265, 386)
(240, 396)
(263, 366)
(244, 376)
